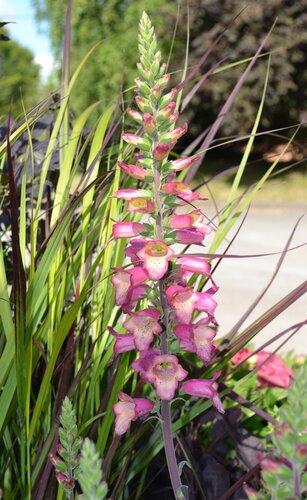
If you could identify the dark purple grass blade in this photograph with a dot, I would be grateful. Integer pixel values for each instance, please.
(196, 87)
(247, 313)
(248, 475)
(226, 107)
(19, 286)
(247, 404)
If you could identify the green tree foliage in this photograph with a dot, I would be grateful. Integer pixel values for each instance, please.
(19, 78)
(287, 90)
(111, 22)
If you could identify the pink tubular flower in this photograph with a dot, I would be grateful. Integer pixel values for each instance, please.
(133, 170)
(175, 134)
(155, 255)
(123, 342)
(129, 409)
(185, 301)
(205, 389)
(189, 237)
(127, 229)
(125, 280)
(183, 163)
(141, 205)
(181, 189)
(143, 325)
(199, 222)
(167, 110)
(241, 356)
(164, 372)
(183, 221)
(135, 140)
(128, 194)
(274, 372)
(195, 265)
(197, 338)
(145, 360)
(161, 151)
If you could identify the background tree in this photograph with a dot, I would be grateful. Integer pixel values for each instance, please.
(111, 22)
(19, 78)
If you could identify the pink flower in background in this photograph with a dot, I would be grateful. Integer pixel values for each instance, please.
(274, 372)
(204, 389)
(197, 338)
(143, 325)
(164, 372)
(129, 409)
(127, 229)
(268, 464)
(155, 255)
(241, 356)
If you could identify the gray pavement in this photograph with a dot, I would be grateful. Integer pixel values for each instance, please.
(265, 230)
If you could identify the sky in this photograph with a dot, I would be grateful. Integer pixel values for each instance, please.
(27, 32)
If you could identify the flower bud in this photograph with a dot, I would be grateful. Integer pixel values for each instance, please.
(167, 98)
(161, 151)
(167, 110)
(135, 115)
(142, 86)
(156, 91)
(149, 123)
(142, 103)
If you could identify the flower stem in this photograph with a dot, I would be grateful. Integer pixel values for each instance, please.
(165, 405)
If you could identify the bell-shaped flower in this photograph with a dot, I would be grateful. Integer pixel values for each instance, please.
(145, 360)
(123, 342)
(133, 170)
(155, 255)
(182, 190)
(164, 372)
(127, 229)
(184, 301)
(194, 265)
(199, 222)
(183, 163)
(131, 251)
(128, 409)
(128, 194)
(143, 325)
(141, 205)
(197, 338)
(189, 237)
(161, 151)
(205, 389)
(124, 280)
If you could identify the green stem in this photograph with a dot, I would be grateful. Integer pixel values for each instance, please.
(165, 405)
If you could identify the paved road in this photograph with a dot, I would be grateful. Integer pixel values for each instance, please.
(266, 229)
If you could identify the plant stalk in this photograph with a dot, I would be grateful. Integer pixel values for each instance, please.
(165, 405)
